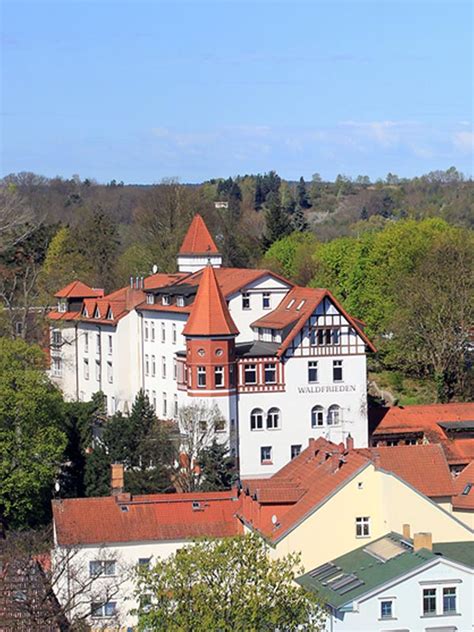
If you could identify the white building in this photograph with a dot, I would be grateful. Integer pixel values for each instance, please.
(282, 363)
(395, 584)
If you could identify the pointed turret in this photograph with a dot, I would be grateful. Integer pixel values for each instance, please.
(198, 248)
(210, 315)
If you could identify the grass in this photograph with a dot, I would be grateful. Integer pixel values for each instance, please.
(407, 390)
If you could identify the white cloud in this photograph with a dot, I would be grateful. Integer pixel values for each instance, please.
(464, 141)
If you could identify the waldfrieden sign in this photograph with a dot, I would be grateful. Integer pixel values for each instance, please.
(338, 388)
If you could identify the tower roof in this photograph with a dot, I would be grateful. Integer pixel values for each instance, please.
(198, 240)
(209, 313)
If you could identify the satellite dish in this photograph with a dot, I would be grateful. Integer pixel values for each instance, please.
(274, 519)
(154, 269)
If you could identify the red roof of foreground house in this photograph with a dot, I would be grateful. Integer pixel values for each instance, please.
(296, 308)
(145, 518)
(422, 466)
(78, 289)
(210, 315)
(198, 240)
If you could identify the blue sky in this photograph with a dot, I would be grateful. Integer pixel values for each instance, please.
(140, 91)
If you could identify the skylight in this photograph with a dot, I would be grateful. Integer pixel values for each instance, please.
(385, 549)
(291, 303)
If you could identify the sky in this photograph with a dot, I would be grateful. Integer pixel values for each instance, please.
(144, 90)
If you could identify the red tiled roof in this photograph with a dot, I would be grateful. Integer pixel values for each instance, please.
(209, 313)
(296, 308)
(78, 289)
(198, 240)
(422, 466)
(160, 279)
(147, 518)
(465, 478)
(231, 280)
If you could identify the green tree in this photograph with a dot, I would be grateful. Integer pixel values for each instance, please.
(277, 221)
(31, 443)
(299, 221)
(293, 257)
(136, 260)
(99, 241)
(302, 194)
(227, 585)
(218, 468)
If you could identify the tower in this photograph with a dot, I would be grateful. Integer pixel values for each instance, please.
(198, 248)
(210, 351)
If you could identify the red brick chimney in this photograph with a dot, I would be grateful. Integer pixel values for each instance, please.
(349, 443)
(116, 482)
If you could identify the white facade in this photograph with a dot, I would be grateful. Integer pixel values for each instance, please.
(406, 596)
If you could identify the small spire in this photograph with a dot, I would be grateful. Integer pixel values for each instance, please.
(198, 240)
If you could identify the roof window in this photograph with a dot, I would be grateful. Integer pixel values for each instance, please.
(165, 299)
(180, 301)
(150, 299)
(291, 303)
(467, 489)
(96, 313)
(300, 305)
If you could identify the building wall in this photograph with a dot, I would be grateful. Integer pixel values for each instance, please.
(407, 597)
(388, 502)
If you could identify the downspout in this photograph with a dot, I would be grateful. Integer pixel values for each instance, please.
(76, 343)
(100, 358)
(142, 356)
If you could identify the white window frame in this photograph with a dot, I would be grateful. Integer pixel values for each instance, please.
(219, 373)
(256, 419)
(153, 365)
(110, 374)
(97, 370)
(295, 450)
(147, 365)
(163, 332)
(334, 415)
(173, 337)
(266, 300)
(163, 367)
(313, 366)
(86, 342)
(362, 527)
(317, 416)
(180, 301)
(110, 348)
(250, 367)
(201, 377)
(274, 418)
(57, 366)
(86, 369)
(274, 369)
(246, 300)
(165, 404)
(152, 331)
(269, 452)
(337, 365)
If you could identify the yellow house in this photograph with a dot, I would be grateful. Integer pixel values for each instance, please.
(329, 500)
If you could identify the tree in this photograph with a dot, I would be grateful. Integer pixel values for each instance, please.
(298, 221)
(288, 203)
(293, 257)
(434, 314)
(302, 194)
(218, 468)
(226, 585)
(277, 221)
(31, 442)
(17, 219)
(198, 424)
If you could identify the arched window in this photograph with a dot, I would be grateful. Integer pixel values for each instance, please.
(334, 415)
(273, 419)
(317, 416)
(256, 419)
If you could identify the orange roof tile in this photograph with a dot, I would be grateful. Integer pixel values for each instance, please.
(464, 483)
(422, 466)
(209, 314)
(198, 240)
(154, 517)
(232, 280)
(78, 289)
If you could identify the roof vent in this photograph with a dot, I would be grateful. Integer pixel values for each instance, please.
(196, 505)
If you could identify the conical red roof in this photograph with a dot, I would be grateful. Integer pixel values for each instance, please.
(209, 314)
(198, 240)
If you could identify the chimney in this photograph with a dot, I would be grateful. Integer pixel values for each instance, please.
(131, 282)
(349, 442)
(406, 531)
(116, 482)
(422, 541)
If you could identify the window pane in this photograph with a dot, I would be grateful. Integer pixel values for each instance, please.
(429, 600)
(449, 600)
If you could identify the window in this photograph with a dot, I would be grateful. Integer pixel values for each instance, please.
(392, 442)
(266, 300)
(410, 441)
(336, 338)
(219, 376)
(150, 299)
(102, 567)
(97, 346)
(273, 419)
(250, 374)
(270, 373)
(153, 399)
(386, 609)
(62, 306)
(317, 416)
(245, 300)
(163, 366)
(57, 366)
(110, 375)
(103, 609)
(190, 377)
(110, 345)
(429, 601)
(97, 370)
(363, 527)
(173, 329)
(175, 369)
(86, 369)
(163, 332)
(334, 415)
(256, 419)
(147, 365)
(175, 405)
(153, 366)
(152, 325)
(295, 450)
(180, 301)
(201, 376)
(266, 454)
(337, 370)
(449, 600)
(165, 299)
(57, 338)
(86, 343)
(165, 405)
(144, 562)
(146, 330)
(113, 406)
(312, 371)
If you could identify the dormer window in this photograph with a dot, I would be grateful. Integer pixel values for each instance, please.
(110, 314)
(165, 299)
(96, 313)
(150, 299)
(62, 305)
(85, 313)
(180, 301)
